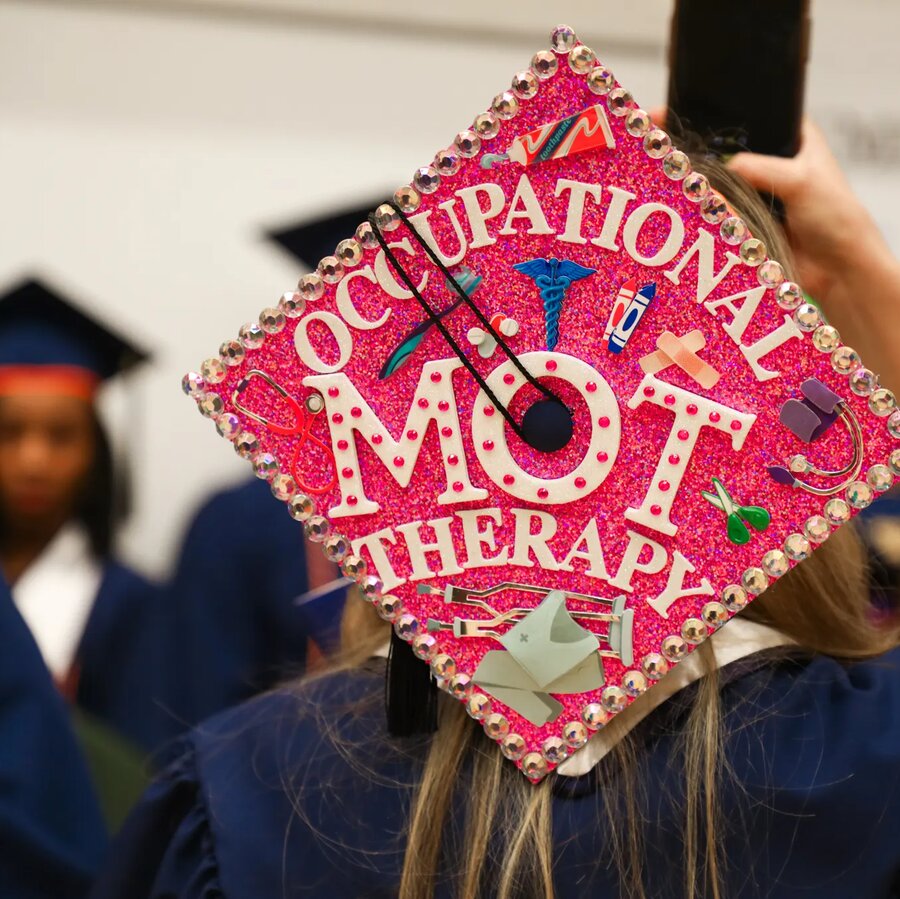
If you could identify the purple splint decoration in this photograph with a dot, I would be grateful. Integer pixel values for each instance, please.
(820, 396)
(781, 475)
(809, 418)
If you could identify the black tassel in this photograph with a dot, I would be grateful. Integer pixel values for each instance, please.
(410, 693)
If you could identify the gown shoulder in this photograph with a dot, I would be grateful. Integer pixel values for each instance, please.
(299, 793)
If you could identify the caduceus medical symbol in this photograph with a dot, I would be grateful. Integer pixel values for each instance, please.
(553, 277)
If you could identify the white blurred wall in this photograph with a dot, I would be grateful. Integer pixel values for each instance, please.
(144, 147)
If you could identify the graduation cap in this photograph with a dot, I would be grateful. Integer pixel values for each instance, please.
(48, 343)
(315, 238)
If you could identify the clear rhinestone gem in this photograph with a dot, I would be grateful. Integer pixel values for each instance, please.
(878, 476)
(807, 317)
(753, 252)
(496, 726)
(714, 614)
(212, 371)
(478, 706)
(575, 734)
(775, 563)
(601, 81)
(817, 528)
(619, 101)
(837, 512)
(594, 715)
(770, 273)
(563, 38)
(407, 198)
(271, 320)
(460, 686)
(654, 665)
(797, 547)
(265, 466)
(657, 143)
(613, 699)
(525, 85)
(788, 295)
(390, 608)
(406, 627)
(371, 585)
(301, 507)
(424, 646)
(387, 218)
(336, 547)
(534, 766)
(331, 269)
(192, 384)
(365, 234)
(355, 567)
(845, 360)
(231, 352)
(505, 106)
(860, 495)
(882, 402)
(283, 486)
(734, 598)
(467, 144)
(733, 230)
(714, 209)
(544, 64)
(826, 338)
(246, 445)
(442, 665)
(486, 125)
(754, 581)
(349, 252)
(894, 462)
(228, 425)
(513, 747)
(311, 286)
(893, 424)
(695, 186)
(673, 647)
(677, 165)
(554, 750)
(582, 59)
(694, 631)
(634, 682)
(638, 122)
(210, 405)
(863, 381)
(292, 304)
(447, 162)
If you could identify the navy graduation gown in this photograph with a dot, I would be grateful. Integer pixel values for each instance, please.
(52, 837)
(235, 627)
(118, 666)
(259, 802)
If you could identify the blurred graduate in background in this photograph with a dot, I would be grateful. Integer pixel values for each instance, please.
(52, 838)
(247, 607)
(60, 502)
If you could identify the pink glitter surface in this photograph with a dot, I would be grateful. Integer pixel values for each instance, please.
(701, 528)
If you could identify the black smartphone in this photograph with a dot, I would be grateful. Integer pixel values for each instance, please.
(736, 73)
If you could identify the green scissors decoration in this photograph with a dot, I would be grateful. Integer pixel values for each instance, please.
(736, 514)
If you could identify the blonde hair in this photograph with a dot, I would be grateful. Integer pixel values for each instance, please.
(823, 604)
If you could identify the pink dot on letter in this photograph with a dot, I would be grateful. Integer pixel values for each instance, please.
(446, 432)
(669, 399)
(457, 486)
(691, 408)
(601, 456)
(603, 421)
(655, 510)
(333, 391)
(342, 444)
(488, 410)
(590, 387)
(649, 391)
(508, 479)
(347, 472)
(337, 418)
(551, 365)
(488, 444)
(509, 378)
(356, 411)
(351, 500)
(398, 461)
(452, 459)
(543, 492)
(683, 435)
(580, 483)
(423, 403)
(376, 439)
(714, 416)
(443, 405)
(736, 425)
(435, 376)
(674, 459)
(664, 486)
(411, 434)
